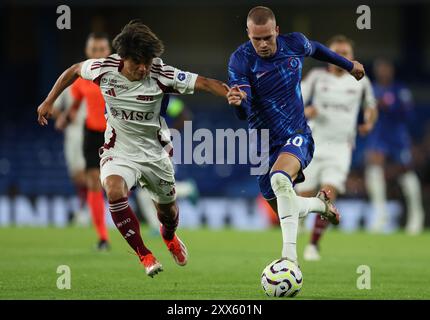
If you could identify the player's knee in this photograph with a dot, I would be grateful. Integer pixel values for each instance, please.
(114, 190)
(114, 195)
(281, 184)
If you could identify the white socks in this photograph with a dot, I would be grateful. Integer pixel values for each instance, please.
(411, 189)
(290, 206)
(375, 185)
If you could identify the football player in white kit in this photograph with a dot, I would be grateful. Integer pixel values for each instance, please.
(333, 100)
(73, 142)
(134, 83)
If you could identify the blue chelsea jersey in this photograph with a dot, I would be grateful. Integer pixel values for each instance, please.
(395, 107)
(272, 84)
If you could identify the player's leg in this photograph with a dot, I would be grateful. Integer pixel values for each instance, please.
(411, 188)
(308, 201)
(312, 251)
(283, 173)
(331, 171)
(306, 207)
(308, 187)
(75, 161)
(117, 179)
(96, 204)
(81, 217)
(92, 141)
(148, 210)
(269, 208)
(168, 214)
(158, 178)
(376, 188)
(80, 181)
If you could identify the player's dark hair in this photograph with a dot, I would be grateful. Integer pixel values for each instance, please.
(137, 42)
(340, 38)
(98, 36)
(260, 15)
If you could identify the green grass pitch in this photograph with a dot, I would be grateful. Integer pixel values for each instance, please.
(223, 264)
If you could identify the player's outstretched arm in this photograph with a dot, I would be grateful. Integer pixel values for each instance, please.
(44, 111)
(322, 53)
(213, 86)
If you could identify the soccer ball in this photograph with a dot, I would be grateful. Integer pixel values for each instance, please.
(281, 278)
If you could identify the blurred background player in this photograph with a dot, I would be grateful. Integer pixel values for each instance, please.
(333, 99)
(88, 93)
(73, 149)
(390, 140)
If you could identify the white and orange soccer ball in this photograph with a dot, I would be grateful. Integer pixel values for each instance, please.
(281, 278)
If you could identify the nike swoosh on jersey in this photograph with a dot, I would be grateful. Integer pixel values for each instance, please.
(259, 75)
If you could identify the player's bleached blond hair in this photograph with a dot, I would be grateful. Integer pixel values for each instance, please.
(260, 15)
(340, 38)
(138, 42)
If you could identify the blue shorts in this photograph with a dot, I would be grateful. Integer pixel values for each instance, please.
(299, 145)
(396, 146)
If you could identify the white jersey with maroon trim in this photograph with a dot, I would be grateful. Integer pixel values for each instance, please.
(337, 100)
(135, 109)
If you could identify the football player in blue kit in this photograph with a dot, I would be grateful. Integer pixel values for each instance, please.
(390, 140)
(264, 77)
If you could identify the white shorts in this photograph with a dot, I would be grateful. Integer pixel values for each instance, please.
(73, 149)
(327, 169)
(157, 176)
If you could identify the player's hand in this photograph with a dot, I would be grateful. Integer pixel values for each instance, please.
(44, 111)
(310, 112)
(235, 96)
(357, 70)
(365, 128)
